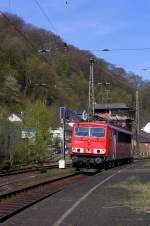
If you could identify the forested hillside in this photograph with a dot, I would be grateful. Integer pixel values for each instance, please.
(58, 77)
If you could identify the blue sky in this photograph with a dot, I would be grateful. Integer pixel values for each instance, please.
(95, 25)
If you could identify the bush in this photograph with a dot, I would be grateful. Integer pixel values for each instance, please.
(5, 165)
(43, 169)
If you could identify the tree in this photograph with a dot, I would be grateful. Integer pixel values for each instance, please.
(37, 117)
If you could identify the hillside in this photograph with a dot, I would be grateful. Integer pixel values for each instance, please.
(58, 77)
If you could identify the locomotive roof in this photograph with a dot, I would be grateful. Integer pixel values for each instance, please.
(98, 123)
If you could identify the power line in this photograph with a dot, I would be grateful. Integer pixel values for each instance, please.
(30, 44)
(119, 49)
(118, 79)
(126, 83)
(136, 67)
(46, 16)
(14, 26)
(9, 5)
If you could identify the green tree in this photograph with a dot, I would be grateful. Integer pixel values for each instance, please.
(37, 117)
(61, 65)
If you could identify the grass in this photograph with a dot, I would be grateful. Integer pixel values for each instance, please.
(147, 163)
(57, 172)
(139, 194)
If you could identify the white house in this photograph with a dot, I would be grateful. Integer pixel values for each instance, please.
(146, 128)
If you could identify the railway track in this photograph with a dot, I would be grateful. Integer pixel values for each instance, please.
(30, 169)
(14, 202)
(17, 201)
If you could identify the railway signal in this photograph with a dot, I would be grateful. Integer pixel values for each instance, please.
(69, 115)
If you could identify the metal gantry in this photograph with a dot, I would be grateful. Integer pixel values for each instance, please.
(91, 102)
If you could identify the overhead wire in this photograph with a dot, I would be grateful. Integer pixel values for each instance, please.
(9, 5)
(46, 16)
(111, 79)
(127, 82)
(119, 49)
(18, 30)
(122, 82)
(30, 44)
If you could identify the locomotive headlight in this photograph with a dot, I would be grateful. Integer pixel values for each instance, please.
(77, 150)
(99, 151)
(74, 149)
(103, 151)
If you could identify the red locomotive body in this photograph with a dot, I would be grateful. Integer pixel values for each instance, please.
(96, 145)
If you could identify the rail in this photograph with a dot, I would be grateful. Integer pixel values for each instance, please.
(16, 201)
(29, 169)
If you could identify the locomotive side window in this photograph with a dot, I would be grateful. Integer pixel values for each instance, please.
(124, 138)
(97, 132)
(82, 132)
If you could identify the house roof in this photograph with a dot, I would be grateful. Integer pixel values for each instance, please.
(144, 137)
(146, 128)
(14, 118)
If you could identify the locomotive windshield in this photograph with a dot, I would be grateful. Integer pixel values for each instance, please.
(89, 132)
(97, 132)
(82, 132)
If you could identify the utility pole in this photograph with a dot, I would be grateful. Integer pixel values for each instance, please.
(63, 141)
(137, 121)
(91, 103)
(108, 94)
(107, 97)
(62, 163)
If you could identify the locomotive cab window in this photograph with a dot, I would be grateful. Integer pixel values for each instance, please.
(97, 132)
(89, 132)
(82, 132)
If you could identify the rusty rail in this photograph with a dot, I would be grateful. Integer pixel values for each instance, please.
(17, 201)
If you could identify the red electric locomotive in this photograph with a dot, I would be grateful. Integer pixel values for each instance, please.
(97, 145)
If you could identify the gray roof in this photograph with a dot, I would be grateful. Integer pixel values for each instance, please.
(144, 137)
(112, 106)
